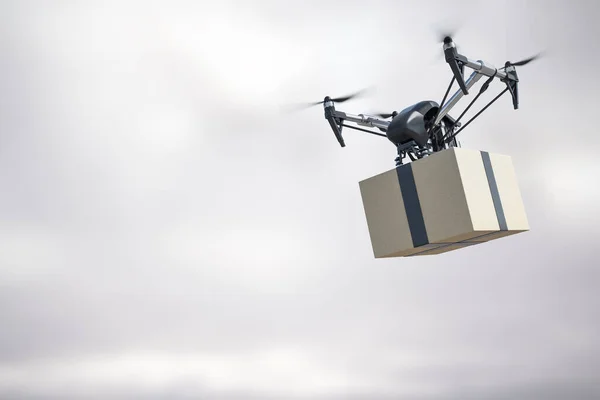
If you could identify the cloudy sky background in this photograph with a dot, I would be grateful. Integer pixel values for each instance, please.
(166, 231)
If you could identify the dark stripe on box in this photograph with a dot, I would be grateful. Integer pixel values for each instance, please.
(412, 205)
(489, 171)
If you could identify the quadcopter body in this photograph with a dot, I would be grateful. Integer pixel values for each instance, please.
(426, 127)
(410, 124)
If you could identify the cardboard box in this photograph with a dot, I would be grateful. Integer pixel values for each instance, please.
(446, 201)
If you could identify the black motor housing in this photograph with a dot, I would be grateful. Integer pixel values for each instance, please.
(412, 123)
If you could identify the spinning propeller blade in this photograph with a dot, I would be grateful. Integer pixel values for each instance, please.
(445, 30)
(386, 115)
(340, 99)
(522, 62)
(303, 106)
(445, 37)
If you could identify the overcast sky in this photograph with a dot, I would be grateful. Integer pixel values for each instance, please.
(167, 231)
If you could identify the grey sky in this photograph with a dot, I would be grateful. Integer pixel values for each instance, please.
(167, 232)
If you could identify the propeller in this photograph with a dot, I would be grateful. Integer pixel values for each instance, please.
(522, 62)
(386, 115)
(339, 99)
(445, 31)
(443, 38)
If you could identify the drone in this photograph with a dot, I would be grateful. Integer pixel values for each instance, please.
(426, 127)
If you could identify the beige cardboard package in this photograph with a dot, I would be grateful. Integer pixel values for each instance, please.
(449, 200)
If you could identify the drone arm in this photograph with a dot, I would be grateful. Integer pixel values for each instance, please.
(475, 76)
(364, 130)
(336, 121)
(481, 68)
(457, 63)
(365, 120)
(485, 69)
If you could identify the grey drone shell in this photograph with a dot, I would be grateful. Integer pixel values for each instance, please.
(410, 123)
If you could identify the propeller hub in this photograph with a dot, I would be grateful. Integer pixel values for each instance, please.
(327, 102)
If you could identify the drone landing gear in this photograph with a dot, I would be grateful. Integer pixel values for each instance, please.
(412, 150)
